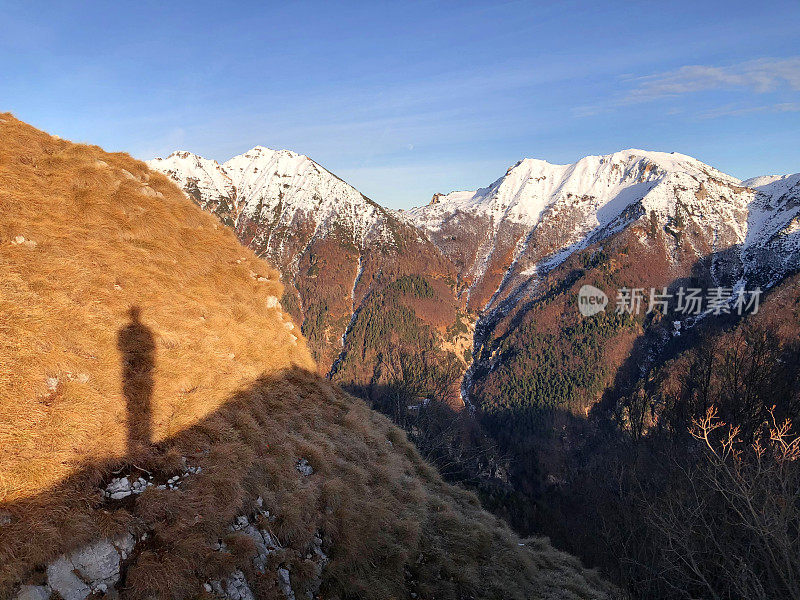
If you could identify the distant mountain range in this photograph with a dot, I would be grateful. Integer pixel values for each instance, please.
(466, 268)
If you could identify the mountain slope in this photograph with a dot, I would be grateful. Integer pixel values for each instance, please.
(263, 192)
(493, 253)
(540, 366)
(504, 237)
(511, 258)
(163, 435)
(339, 253)
(681, 221)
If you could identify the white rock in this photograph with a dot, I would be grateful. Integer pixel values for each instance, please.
(125, 545)
(63, 580)
(241, 522)
(272, 302)
(34, 592)
(98, 563)
(119, 488)
(236, 587)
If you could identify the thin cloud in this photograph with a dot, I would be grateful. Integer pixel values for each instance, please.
(733, 111)
(760, 76)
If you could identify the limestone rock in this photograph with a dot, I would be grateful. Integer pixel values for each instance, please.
(61, 577)
(119, 488)
(34, 592)
(98, 563)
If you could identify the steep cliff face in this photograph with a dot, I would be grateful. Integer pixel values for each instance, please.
(163, 433)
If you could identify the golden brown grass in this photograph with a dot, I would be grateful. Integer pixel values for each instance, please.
(232, 390)
(105, 241)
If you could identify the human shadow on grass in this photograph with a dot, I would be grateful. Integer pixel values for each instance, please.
(229, 445)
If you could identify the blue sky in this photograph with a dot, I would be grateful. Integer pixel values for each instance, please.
(406, 99)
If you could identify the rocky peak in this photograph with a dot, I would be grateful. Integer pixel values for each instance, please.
(437, 197)
(264, 190)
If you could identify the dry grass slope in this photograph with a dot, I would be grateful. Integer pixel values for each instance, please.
(85, 236)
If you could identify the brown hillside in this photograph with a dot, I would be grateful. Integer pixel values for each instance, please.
(138, 337)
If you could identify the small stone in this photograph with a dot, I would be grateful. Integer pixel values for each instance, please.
(125, 545)
(119, 488)
(304, 467)
(207, 587)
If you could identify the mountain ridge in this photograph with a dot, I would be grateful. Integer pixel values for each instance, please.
(500, 241)
(163, 434)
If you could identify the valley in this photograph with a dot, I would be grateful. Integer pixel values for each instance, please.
(520, 418)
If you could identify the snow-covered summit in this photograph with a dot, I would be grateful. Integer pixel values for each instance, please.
(530, 186)
(265, 189)
(537, 214)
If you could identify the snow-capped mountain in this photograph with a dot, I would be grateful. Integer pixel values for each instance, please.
(331, 243)
(506, 236)
(264, 192)
(771, 248)
(491, 251)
